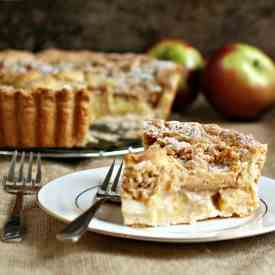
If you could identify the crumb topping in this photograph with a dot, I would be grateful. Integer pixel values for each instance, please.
(205, 146)
(131, 74)
(191, 156)
(136, 185)
(144, 174)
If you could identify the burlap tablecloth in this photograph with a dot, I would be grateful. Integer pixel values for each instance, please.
(40, 253)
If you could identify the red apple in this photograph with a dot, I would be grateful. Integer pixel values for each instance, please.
(239, 81)
(190, 58)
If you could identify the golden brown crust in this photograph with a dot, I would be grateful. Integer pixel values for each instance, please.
(82, 117)
(64, 120)
(47, 122)
(26, 119)
(9, 118)
(44, 118)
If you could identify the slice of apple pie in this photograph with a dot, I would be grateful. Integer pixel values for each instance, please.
(190, 172)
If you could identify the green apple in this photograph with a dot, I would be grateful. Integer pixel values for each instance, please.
(239, 81)
(190, 58)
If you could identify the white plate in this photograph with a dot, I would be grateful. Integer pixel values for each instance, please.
(66, 197)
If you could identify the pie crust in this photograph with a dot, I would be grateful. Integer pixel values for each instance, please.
(51, 98)
(44, 118)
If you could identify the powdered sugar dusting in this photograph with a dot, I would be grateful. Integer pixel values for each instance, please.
(175, 144)
(203, 143)
(131, 74)
(191, 130)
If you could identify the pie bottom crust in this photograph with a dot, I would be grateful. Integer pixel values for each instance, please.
(44, 118)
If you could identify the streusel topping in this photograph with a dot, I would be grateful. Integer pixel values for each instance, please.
(147, 173)
(129, 74)
(207, 146)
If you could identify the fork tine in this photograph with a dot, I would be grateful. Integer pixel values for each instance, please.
(29, 177)
(38, 177)
(19, 182)
(21, 167)
(116, 181)
(4, 182)
(11, 172)
(108, 177)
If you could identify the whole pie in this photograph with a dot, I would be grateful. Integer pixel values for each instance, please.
(190, 172)
(50, 99)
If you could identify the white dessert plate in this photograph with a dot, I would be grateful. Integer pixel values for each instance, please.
(66, 197)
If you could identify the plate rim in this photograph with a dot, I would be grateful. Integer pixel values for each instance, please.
(212, 237)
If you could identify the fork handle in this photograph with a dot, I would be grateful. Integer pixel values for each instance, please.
(14, 229)
(75, 230)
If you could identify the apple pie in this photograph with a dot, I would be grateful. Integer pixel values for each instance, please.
(51, 98)
(190, 172)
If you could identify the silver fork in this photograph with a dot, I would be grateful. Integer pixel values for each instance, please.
(20, 184)
(106, 192)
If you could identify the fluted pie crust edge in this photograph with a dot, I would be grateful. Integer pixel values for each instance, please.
(44, 118)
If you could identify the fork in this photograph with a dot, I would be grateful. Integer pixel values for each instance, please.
(106, 192)
(20, 185)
